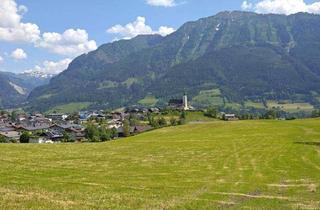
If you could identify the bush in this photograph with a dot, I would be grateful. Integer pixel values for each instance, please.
(3, 139)
(67, 137)
(173, 121)
(126, 128)
(114, 133)
(25, 138)
(152, 122)
(105, 135)
(211, 112)
(162, 122)
(92, 133)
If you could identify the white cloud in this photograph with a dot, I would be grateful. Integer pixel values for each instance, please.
(11, 27)
(164, 30)
(138, 27)
(284, 6)
(19, 54)
(50, 67)
(162, 3)
(1, 59)
(246, 5)
(70, 43)
(22, 9)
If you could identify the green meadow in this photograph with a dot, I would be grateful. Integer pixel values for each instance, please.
(291, 107)
(212, 165)
(70, 108)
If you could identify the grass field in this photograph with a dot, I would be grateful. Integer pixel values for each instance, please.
(70, 108)
(291, 107)
(198, 117)
(209, 97)
(215, 165)
(149, 101)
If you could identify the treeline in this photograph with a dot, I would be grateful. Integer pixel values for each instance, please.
(160, 121)
(100, 134)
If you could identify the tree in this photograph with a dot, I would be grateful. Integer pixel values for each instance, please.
(105, 134)
(173, 121)
(25, 138)
(14, 116)
(183, 115)
(154, 123)
(3, 139)
(73, 117)
(126, 128)
(3, 112)
(92, 133)
(315, 113)
(162, 122)
(114, 133)
(66, 137)
(133, 120)
(271, 114)
(211, 112)
(182, 119)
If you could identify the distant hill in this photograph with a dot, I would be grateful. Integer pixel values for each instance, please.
(15, 88)
(229, 59)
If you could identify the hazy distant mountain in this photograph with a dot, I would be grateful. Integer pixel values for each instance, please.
(15, 88)
(245, 56)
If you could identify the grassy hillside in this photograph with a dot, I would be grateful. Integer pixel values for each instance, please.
(70, 108)
(245, 164)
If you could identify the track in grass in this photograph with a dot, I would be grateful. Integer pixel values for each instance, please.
(245, 164)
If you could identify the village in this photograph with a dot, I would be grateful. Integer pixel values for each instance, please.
(56, 127)
(93, 126)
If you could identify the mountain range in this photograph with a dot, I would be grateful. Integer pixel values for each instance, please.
(229, 58)
(15, 88)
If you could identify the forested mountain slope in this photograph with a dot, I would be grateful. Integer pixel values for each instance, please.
(245, 56)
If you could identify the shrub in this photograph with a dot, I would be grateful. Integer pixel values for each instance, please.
(3, 139)
(162, 122)
(25, 138)
(173, 121)
(211, 112)
(126, 128)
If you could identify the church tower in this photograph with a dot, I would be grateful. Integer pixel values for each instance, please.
(185, 102)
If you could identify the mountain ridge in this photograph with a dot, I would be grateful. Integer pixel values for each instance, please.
(14, 88)
(278, 62)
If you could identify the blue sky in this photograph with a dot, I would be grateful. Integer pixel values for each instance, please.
(52, 52)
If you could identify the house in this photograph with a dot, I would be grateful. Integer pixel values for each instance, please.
(230, 117)
(57, 117)
(154, 110)
(40, 140)
(53, 134)
(134, 130)
(21, 117)
(11, 134)
(175, 103)
(35, 127)
(120, 131)
(34, 124)
(75, 131)
(114, 124)
(84, 116)
(118, 115)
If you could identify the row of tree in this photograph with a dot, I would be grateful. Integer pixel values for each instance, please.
(160, 121)
(100, 134)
